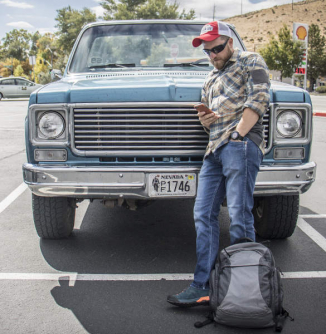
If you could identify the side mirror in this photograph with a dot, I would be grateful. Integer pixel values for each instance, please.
(56, 75)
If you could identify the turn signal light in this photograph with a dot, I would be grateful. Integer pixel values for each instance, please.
(286, 153)
(50, 155)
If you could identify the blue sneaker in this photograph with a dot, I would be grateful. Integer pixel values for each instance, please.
(190, 297)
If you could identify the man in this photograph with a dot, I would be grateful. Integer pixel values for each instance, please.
(237, 91)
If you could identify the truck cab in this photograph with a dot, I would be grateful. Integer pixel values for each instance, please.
(120, 127)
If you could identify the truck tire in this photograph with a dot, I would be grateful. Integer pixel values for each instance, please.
(276, 216)
(54, 217)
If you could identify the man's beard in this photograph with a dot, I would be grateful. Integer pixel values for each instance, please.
(220, 63)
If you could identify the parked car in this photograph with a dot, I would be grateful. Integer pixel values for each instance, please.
(120, 127)
(16, 87)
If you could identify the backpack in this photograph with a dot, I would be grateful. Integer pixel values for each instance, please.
(246, 289)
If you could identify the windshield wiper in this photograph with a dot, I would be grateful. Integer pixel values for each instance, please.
(113, 66)
(194, 63)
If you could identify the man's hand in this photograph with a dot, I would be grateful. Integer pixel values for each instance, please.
(207, 119)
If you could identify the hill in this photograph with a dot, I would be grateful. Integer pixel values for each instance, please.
(256, 28)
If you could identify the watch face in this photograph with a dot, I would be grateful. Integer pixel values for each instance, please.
(234, 135)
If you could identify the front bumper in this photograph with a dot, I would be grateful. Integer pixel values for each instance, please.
(108, 182)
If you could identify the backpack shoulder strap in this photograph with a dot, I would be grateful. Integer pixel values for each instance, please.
(280, 319)
(209, 320)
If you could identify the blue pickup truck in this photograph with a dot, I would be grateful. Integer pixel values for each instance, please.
(120, 127)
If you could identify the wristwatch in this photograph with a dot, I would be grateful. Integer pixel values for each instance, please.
(235, 135)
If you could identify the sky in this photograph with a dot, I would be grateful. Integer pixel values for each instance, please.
(39, 15)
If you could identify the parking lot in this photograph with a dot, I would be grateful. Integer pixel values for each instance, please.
(114, 273)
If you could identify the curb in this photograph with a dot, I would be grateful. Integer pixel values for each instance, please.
(321, 114)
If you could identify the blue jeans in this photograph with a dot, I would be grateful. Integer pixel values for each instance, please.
(229, 172)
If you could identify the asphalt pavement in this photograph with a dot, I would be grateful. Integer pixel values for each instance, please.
(318, 102)
(114, 273)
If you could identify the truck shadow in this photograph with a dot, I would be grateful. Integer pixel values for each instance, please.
(157, 239)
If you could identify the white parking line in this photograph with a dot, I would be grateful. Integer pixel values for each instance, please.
(316, 216)
(12, 197)
(73, 277)
(312, 233)
(305, 274)
(80, 213)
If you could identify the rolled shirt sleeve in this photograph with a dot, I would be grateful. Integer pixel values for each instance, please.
(258, 84)
(204, 100)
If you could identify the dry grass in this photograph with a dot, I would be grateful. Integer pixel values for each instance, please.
(256, 28)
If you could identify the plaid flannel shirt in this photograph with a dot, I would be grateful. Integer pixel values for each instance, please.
(242, 83)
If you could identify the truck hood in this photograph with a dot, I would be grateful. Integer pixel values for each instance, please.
(282, 92)
(144, 87)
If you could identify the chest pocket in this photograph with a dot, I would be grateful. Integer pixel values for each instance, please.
(229, 89)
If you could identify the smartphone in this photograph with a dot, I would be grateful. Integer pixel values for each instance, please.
(201, 107)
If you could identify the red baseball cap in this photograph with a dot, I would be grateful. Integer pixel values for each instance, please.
(211, 31)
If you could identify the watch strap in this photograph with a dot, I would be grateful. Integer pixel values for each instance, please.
(238, 136)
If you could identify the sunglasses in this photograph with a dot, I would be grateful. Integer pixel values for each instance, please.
(216, 49)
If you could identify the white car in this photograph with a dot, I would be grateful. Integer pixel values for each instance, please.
(16, 87)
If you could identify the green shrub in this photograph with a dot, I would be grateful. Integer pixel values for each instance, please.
(44, 78)
(321, 89)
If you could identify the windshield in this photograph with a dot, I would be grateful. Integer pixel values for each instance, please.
(107, 47)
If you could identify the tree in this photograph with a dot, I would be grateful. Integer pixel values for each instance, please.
(41, 69)
(19, 72)
(26, 67)
(47, 44)
(143, 9)
(316, 55)
(70, 22)
(16, 44)
(283, 54)
(34, 40)
(8, 66)
(2, 52)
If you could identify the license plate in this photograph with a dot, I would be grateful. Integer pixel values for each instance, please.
(168, 184)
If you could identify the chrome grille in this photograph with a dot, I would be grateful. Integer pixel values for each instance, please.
(142, 129)
(266, 133)
(131, 129)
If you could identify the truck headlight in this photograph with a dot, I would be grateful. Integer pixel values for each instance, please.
(288, 123)
(51, 125)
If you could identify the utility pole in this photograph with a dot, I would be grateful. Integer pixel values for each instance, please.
(214, 12)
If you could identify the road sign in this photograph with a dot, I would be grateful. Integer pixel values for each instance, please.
(32, 60)
(174, 49)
